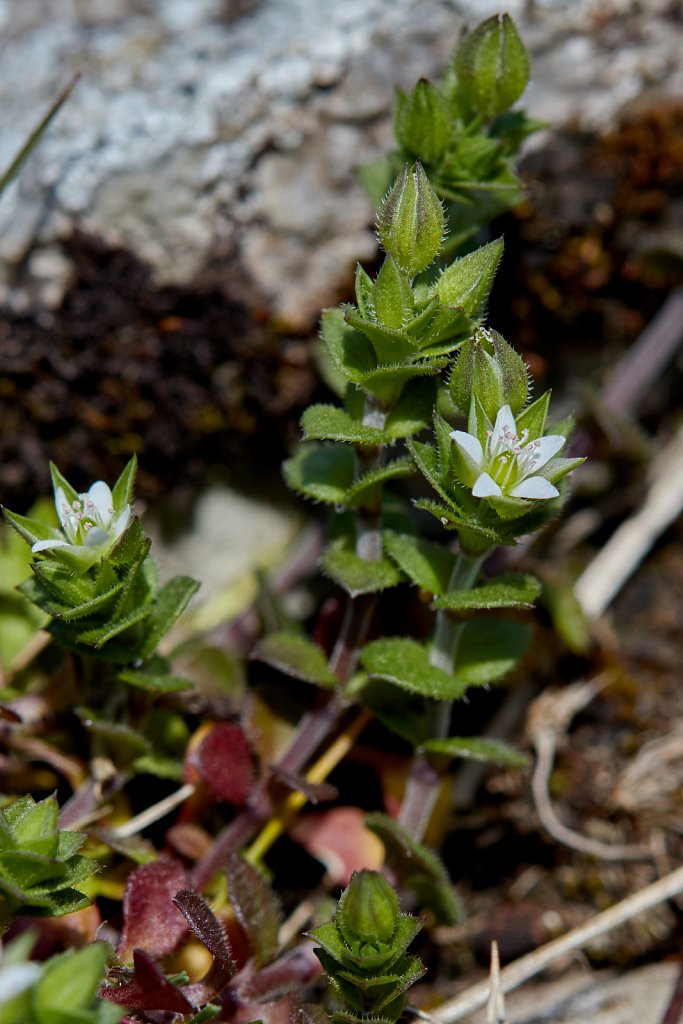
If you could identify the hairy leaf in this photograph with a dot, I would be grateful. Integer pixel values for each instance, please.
(296, 656)
(256, 907)
(405, 663)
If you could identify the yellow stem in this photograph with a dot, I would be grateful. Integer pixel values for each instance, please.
(318, 772)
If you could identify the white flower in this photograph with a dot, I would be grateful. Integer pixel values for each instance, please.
(89, 520)
(508, 464)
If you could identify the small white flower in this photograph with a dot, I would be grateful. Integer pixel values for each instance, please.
(88, 520)
(508, 464)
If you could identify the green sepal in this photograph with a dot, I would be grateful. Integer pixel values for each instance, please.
(513, 590)
(478, 748)
(534, 416)
(296, 656)
(427, 564)
(59, 480)
(405, 663)
(34, 590)
(30, 529)
(97, 636)
(329, 423)
(122, 492)
(354, 574)
(418, 868)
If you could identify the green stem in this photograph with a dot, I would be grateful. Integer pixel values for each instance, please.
(426, 773)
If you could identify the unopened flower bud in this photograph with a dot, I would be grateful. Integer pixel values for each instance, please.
(489, 369)
(410, 225)
(368, 909)
(492, 68)
(423, 122)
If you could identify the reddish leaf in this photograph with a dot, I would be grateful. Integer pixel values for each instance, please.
(339, 839)
(256, 908)
(208, 930)
(151, 920)
(224, 761)
(148, 989)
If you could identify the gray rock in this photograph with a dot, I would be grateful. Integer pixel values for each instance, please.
(236, 126)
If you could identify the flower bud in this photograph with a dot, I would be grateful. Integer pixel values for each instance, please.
(489, 369)
(410, 225)
(423, 122)
(368, 909)
(492, 68)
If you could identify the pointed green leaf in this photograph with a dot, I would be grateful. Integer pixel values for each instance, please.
(405, 663)
(154, 682)
(391, 345)
(490, 648)
(70, 980)
(427, 564)
(323, 472)
(350, 350)
(296, 656)
(478, 748)
(466, 283)
(169, 603)
(356, 575)
(371, 481)
(513, 590)
(418, 867)
(327, 422)
(97, 636)
(30, 529)
(388, 382)
(413, 410)
(392, 296)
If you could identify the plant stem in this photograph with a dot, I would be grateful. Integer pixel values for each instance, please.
(426, 773)
(316, 774)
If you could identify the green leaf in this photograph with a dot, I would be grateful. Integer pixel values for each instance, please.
(405, 663)
(131, 547)
(387, 382)
(478, 748)
(159, 765)
(534, 416)
(427, 564)
(392, 296)
(413, 410)
(350, 350)
(97, 636)
(356, 575)
(490, 648)
(466, 283)
(70, 981)
(327, 422)
(34, 138)
(154, 682)
(364, 293)
(417, 867)
(168, 604)
(513, 590)
(391, 345)
(370, 481)
(323, 472)
(296, 656)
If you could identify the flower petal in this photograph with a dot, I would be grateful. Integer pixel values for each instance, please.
(535, 487)
(120, 523)
(470, 449)
(95, 537)
(45, 545)
(100, 495)
(62, 506)
(486, 487)
(505, 422)
(546, 447)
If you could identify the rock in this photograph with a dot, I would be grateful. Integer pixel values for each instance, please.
(237, 126)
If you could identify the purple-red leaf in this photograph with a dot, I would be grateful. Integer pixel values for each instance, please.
(224, 761)
(150, 920)
(210, 932)
(148, 989)
(256, 908)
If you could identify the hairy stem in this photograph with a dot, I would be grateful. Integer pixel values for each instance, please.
(426, 773)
